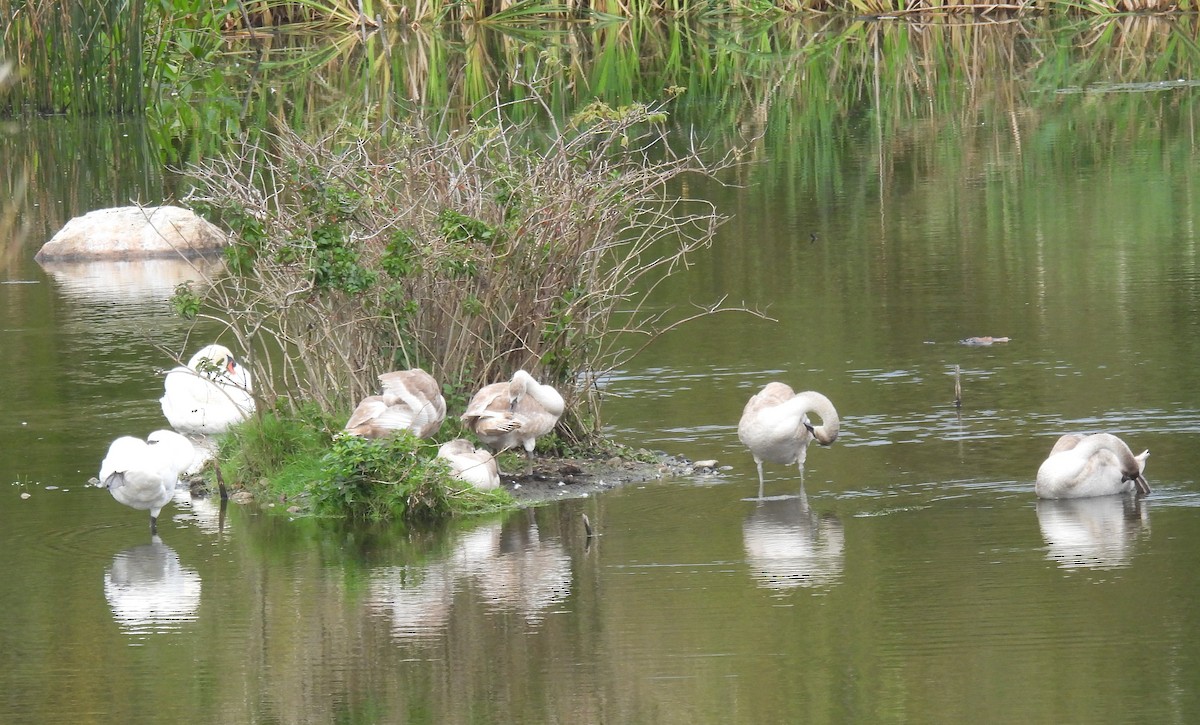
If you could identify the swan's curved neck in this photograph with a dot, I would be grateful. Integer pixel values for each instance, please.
(523, 384)
(817, 404)
(1106, 441)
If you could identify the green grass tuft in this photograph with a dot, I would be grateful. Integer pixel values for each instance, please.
(308, 459)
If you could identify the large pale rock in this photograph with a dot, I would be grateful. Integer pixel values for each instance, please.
(134, 232)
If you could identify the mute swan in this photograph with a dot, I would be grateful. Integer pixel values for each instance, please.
(143, 474)
(516, 413)
(1091, 465)
(473, 465)
(776, 429)
(411, 400)
(208, 395)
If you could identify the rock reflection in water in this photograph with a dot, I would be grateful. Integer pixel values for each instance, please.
(149, 590)
(143, 280)
(1097, 533)
(789, 545)
(206, 512)
(512, 566)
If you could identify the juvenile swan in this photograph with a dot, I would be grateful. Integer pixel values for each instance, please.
(143, 474)
(208, 395)
(468, 463)
(411, 400)
(1091, 465)
(512, 414)
(776, 429)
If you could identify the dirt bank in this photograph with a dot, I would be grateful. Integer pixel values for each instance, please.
(555, 478)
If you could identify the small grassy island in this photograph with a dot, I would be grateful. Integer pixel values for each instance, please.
(470, 253)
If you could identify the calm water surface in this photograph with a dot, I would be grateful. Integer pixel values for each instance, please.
(912, 577)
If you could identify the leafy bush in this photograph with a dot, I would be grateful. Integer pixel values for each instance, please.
(471, 253)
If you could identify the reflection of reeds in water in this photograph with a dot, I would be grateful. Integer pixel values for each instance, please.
(12, 232)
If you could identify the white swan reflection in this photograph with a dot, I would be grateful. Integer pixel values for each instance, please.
(513, 567)
(149, 590)
(789, 545)
(1096, 533)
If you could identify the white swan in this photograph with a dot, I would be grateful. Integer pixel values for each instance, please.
(515, 413)
(1091, 465)
(776, 429)
(143, 474)
(411, 400)
(473, 465)
(208, 395)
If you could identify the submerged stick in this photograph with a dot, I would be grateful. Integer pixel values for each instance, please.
(587, 526)
(221, 484)
(957, 387)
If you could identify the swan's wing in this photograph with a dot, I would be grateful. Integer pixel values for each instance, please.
(174, 452)
(494, 424)
(187, 389)
(1066, 443)
(418, 394)
(123, 454)
(488, 400)
(369, 409)
(410, 382)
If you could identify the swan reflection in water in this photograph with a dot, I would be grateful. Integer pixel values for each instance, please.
(149, 590)
(1097, 533)
(789, 545)
(512, 566)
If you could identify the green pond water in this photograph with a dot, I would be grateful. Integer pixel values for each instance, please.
(913, 577)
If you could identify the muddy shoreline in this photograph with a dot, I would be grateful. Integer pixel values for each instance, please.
(559, 478)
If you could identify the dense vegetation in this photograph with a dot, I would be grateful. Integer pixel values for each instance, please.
(471, 253)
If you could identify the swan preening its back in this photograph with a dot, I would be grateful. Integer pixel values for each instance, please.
(776, 429)
(143, 474)
(514, 414)
(411, 400)
(1091, 465)
(209, 394)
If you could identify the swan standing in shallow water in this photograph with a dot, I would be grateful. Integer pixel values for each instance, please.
(512, 414)
(473, 465)
(1091, 465)
(411, 400)
(208, 395)
(143, 474)
(776, 429)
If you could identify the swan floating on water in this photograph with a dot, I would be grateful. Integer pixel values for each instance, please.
(143, 474)
(776, 429)
(1091, 465)
(473, 465)
(208, 395)
(514, 414)
(411, 400)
